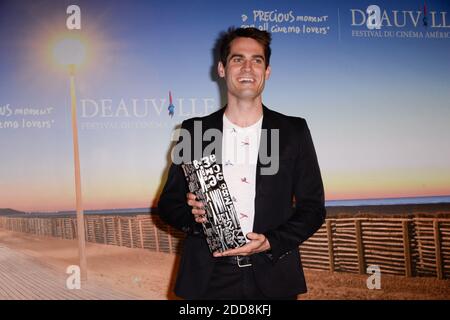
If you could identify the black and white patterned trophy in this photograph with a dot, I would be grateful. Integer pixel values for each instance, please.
(205, 179)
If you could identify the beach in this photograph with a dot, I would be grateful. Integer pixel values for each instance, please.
(150, 275)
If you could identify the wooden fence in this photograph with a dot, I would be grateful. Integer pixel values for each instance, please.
(399, 246)
(147, 232)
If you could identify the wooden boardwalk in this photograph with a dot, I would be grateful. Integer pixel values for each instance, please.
(25, 278)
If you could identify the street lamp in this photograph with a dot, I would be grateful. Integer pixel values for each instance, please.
(71, 53)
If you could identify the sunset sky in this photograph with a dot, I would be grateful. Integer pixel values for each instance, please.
(378, 109)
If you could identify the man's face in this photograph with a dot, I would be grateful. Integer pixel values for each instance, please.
(245, 72)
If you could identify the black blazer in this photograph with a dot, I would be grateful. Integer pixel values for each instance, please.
(280, 273)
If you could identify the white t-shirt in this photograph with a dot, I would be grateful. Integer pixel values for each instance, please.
(239, 158)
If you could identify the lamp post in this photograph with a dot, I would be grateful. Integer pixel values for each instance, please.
(70, 52)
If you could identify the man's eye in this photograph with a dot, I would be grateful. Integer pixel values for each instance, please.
(237, 60)
(258, 61)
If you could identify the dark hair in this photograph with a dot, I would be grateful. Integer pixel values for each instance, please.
(263, 38)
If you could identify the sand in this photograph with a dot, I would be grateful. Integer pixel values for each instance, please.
(151, 275)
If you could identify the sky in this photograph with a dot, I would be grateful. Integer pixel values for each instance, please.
(377, 107)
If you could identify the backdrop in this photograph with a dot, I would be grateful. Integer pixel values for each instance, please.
(372, 83)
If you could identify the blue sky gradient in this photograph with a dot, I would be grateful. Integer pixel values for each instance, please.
(378, 108)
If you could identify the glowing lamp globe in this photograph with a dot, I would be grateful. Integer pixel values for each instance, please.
(69, 52)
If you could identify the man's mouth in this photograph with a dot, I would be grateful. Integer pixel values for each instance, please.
(245, 80)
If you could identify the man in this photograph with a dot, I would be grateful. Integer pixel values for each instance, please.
(268, 266)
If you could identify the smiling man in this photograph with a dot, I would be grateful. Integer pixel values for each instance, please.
(268, 266)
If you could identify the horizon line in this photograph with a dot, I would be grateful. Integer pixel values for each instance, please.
(151, 208)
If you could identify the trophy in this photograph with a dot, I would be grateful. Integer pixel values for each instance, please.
(205, 179)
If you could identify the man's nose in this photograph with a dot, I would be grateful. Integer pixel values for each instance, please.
(247, 65)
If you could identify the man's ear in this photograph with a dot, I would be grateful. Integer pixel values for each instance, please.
(268, 71)
(221, 69)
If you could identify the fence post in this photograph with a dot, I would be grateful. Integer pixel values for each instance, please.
(155, 230)
(437, 245)
(140, 234)
(330, 245)
(64, 228)
(131, 233)
(86, 233)
(72, 235)
(359, 247)
(406, 248)
(120, 231)
(170, 239)
(114, 230)
(104, 230)
(94, 224)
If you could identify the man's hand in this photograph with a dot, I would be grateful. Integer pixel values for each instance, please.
(258, 243)
(197, 208)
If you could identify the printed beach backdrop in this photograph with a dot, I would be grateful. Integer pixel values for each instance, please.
(371, 79)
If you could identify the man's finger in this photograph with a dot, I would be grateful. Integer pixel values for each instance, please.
(244, 250)
(198, 211)
(255, 236)
(198, 204)
(194, 203)
(200, 218)
(191, 196)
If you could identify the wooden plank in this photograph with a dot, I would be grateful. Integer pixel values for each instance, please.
(141, 237)
(383, 246)
(105, 240)
(169, 236)
(120, 231)
(382, 257)
(437, 244)
(383, 233)
(130, 229)
(407, 250)
(114, 229)
(155, 230)
(330, 245)
(359, 247)
(94, 234)
(86, 234)
(393, 239)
